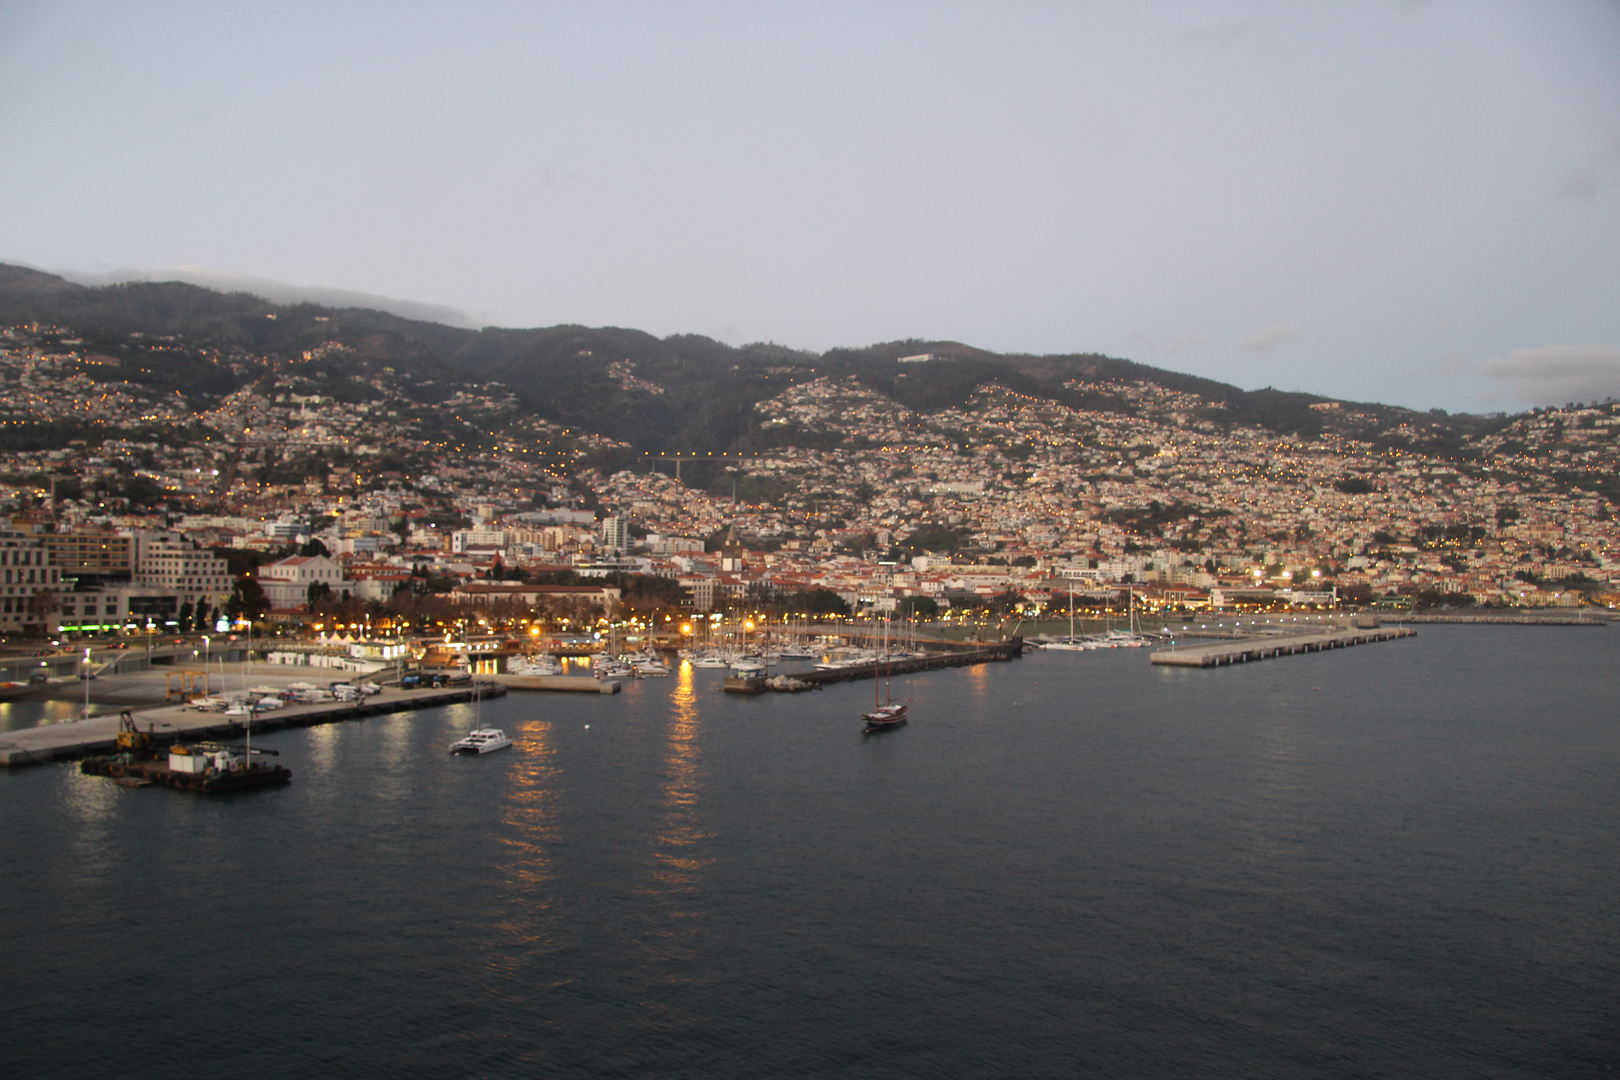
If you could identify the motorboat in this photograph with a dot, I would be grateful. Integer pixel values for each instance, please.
(539, 665)
(482, 741)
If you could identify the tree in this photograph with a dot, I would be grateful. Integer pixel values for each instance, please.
(816, 602)
(41, 606)
(247, 600)
(919, 607)
(313, 547)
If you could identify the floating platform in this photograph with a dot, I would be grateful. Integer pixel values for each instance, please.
(976, 653)
(146, 773)
(1264, 648)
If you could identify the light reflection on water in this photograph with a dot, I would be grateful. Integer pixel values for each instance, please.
(16, 715)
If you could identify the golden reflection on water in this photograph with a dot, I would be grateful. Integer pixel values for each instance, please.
(529, 823)
(322, 746)
(978, 678)
(677, 858)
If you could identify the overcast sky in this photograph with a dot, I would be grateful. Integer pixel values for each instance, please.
(1416, 203)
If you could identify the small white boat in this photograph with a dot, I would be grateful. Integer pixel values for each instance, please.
(482, 741)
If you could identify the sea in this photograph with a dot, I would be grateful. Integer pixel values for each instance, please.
(1395, 860)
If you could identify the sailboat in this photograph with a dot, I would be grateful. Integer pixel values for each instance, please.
(480, 740)
(1070, 643)
(890, 714)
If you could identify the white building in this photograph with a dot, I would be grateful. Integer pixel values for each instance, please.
(464, 540)
(286, 583)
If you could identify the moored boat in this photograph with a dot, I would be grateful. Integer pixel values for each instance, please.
(885, 717)
(482, 741)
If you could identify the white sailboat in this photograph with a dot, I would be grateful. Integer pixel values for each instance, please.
(1070, 643)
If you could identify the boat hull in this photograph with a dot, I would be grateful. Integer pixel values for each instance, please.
(886, 718)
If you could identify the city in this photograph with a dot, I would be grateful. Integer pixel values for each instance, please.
(268, 498)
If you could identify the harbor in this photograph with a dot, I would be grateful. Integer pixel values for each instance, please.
(1244, 650)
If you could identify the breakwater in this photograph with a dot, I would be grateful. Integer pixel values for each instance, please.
(959, 654)
(1264, 648)
(1506, 620)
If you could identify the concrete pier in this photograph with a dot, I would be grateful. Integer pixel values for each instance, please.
(1263, 648)
(176, 723)
(975, 653)
(578, 684)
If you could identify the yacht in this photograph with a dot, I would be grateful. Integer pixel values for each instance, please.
(535, 665)
(482, 741)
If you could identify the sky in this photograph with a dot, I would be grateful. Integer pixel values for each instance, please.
(1413, 203)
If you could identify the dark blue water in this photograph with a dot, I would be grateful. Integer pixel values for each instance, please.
(1395, 860)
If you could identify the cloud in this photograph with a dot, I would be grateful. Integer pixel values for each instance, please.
(1181, 343)
(1557, 374)
(1270, 337)
(279, 292)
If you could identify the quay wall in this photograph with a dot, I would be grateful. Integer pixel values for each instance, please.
(173, 723)
(1504, 619)
(1010, 649)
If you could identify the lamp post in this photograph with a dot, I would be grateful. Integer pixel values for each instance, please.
(87, 682)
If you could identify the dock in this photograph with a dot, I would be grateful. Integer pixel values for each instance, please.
(975, 653)
(1264, 648)
(173, 723)
(577, 684)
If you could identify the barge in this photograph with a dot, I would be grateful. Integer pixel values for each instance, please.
(208, 767)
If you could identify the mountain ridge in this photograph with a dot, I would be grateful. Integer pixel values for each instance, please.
(678, 392)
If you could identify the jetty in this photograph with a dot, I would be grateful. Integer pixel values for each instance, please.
(168, 724)
(1267, 646)
(576, 684)
(1506, 619)
(956, 654)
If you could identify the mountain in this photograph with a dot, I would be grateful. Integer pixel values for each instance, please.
(682, 392)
